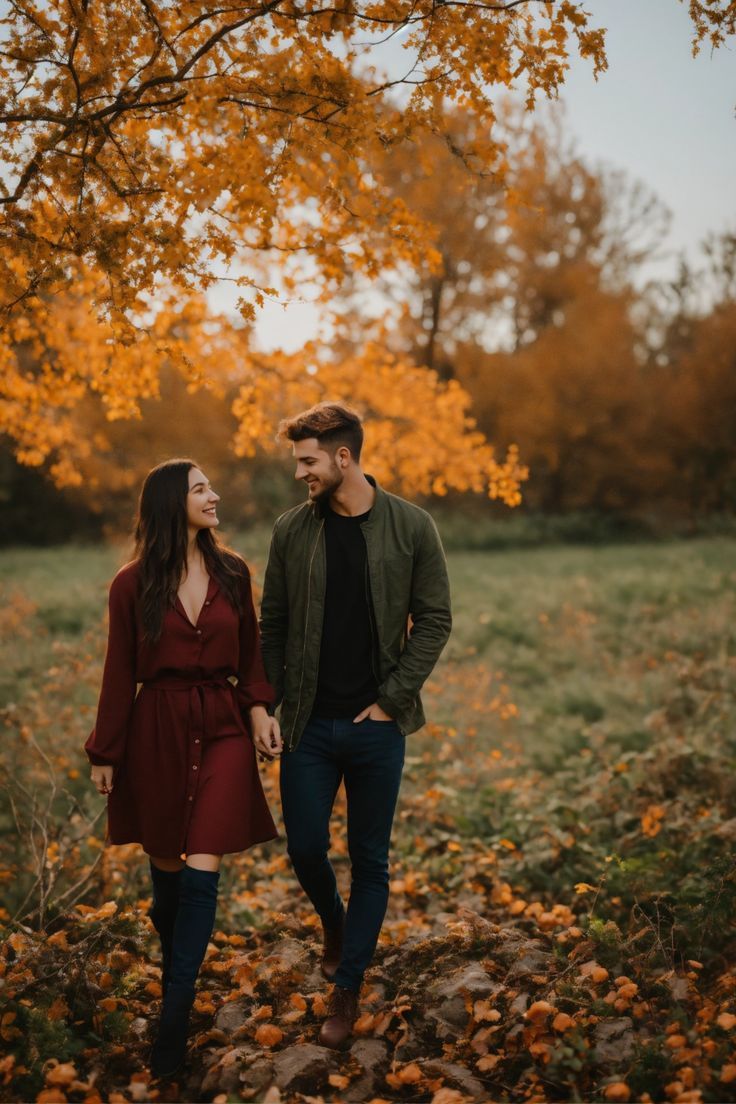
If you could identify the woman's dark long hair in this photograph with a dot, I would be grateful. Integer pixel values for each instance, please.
(161, 539)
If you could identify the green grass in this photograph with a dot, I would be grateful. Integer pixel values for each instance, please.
(583, 688)
(582, 636)
(51, 598)
(592, 636)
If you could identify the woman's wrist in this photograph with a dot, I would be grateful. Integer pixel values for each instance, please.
(258, 709)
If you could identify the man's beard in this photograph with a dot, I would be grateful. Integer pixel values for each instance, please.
(324, 496)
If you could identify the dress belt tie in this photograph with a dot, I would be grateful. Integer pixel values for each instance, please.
(201, 703)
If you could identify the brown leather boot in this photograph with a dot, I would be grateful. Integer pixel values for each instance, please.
(341, 1012)
(332, 949)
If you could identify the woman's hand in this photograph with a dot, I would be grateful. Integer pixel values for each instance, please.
(102, 778)
(266, 732)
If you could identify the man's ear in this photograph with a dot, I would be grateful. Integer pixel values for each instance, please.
(343, 456)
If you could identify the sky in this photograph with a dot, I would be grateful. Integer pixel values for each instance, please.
(664, 117)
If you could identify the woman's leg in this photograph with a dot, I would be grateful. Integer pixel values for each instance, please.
(195, 919)
(165, 876)
(204, 862)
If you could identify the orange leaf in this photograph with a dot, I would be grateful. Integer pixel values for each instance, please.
(218, 968)
(617, 1091)
(338, 1080)
(409, 1075)
(540, 1049)
(268, 1035)
(60, 1074)
(364, 1024)
(482, 1012)
(595, 972)
(382, 1022)
(296, 1000)
(726, 1020)
(562, 1021)
(651, 821)
(58, 939)
(538, 1012)
(448, 1096)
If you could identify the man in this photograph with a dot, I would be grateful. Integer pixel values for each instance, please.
(346, 571)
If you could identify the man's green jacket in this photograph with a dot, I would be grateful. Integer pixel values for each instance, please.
(406, 577)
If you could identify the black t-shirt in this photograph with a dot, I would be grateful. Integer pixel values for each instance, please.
(346, 683)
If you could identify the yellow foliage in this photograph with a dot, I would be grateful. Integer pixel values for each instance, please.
(173, 150)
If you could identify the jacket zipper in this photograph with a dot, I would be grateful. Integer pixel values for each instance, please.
(306, 623)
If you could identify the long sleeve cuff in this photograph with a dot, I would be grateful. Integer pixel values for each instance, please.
(256, 693)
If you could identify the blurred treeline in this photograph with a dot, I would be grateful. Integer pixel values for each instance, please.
(620, 391)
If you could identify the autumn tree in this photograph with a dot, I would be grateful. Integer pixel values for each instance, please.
(569, 381)
(152, 150)
(528, 301)
(692, 371)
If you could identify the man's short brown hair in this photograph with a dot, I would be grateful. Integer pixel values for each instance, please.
(333, 424)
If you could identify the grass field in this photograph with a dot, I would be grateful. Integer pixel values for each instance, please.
(580, 635)
(578, 768)
(558, 655)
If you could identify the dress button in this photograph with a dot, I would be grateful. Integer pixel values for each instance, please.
(191, 799)
(199, 632)
(196, 741)
(195, 767)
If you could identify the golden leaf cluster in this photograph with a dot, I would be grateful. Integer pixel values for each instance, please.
(152, 150)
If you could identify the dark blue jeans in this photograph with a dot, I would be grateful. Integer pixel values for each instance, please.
(369, 756)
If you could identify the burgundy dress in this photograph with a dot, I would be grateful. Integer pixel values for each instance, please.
(186, 779)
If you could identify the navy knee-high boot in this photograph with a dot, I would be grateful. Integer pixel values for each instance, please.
(195, 919)
(163, 914)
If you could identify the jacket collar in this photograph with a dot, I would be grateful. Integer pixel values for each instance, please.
(318, 511)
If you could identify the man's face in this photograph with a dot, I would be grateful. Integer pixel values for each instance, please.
(317, 468)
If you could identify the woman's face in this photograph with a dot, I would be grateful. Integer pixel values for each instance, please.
(201, 502)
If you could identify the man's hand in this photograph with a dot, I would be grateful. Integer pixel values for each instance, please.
(374, 712)
(102, 778)
(266, 732)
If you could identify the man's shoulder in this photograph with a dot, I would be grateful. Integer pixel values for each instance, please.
(296, 518)
(415, 515)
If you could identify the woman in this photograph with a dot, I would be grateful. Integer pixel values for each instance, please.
(175, 760)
